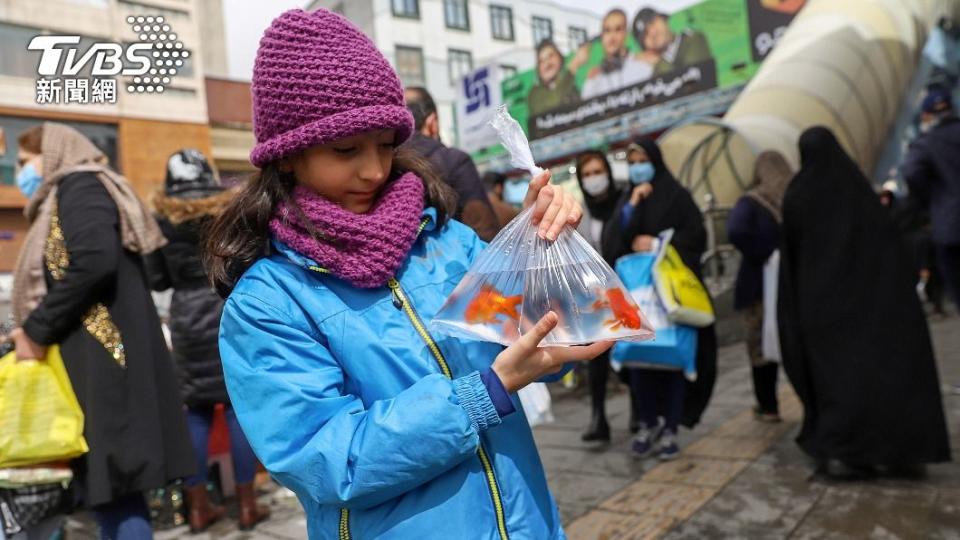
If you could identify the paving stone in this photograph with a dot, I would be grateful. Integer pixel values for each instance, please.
(697, 471)
(583, 489)
(604, 525)
(727, 447)
(868, 512)
(673, 500)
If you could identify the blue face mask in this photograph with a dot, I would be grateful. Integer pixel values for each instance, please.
(641, 173)
(515, 191)
(28, 180)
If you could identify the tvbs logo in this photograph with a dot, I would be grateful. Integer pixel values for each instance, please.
(107, 58)
(150, 63)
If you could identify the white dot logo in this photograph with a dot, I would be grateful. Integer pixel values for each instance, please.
(167, 52)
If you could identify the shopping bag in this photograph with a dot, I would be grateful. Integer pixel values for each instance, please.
(40, 418)
(535, 398)
(520, 277)
(675, 345)
(770, 340)
(683, 295)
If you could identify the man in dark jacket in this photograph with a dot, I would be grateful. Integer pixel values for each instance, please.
(454, 166)
(932, 171)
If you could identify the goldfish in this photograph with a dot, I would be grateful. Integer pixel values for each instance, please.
(489, 303)
(625, 312)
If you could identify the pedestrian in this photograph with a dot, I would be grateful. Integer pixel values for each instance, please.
(754, 229)
(190, 197)
(79, 282)
(854, 337)
(454, 166)
(334, 257)
(505, 212)
(600, 195)
(654, 203)
(932, 172)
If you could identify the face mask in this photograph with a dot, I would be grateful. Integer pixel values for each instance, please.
(596, 184)
(28, 180)
(641, 173)
(514, 192)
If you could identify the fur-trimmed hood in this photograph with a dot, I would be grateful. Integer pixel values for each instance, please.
(177, 210)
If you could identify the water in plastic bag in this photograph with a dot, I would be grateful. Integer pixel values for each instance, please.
(519, 277)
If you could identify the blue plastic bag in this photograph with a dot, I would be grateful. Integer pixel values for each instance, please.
(675, 346)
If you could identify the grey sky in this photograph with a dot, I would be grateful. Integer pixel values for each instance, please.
(245, 21)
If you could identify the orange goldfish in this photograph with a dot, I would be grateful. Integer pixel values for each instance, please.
(489, 303)
(625, 312)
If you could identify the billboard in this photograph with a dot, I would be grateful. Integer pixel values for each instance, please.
(478, 97)
(643, 56)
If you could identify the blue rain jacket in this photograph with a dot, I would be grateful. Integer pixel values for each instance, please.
(381, 431)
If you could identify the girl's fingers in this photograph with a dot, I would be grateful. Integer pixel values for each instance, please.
(560, 220)
(550, 215)
(533, 190)
(542, 203)
(579, 354)
(575, 215)
(532, 339)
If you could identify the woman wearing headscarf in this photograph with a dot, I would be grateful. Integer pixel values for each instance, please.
(854, 338)
(79, 282)
(754, 228)
(190, 198)
(600, 196)
(657, 202)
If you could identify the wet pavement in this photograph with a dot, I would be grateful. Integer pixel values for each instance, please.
(736, 477)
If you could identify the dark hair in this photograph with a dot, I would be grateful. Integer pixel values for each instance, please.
(420, 104)
(616, 11)
(31, 140)
(240, 235)
(589, 155)
(492, 179)
(644, 17)
(544, 44)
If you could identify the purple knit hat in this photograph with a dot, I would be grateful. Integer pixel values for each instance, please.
(318, 78)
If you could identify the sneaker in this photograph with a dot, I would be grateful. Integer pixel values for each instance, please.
(668, 448)
(646, 440)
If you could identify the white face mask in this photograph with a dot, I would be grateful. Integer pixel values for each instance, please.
(596, 184)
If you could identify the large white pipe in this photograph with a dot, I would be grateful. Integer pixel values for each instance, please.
(844, 64)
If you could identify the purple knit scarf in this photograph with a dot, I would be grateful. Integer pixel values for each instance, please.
(362, 249)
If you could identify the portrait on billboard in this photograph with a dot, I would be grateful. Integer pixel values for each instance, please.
(555, 86)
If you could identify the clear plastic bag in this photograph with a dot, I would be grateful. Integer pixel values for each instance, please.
(519, 277)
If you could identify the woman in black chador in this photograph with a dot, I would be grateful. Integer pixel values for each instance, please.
(854, 337)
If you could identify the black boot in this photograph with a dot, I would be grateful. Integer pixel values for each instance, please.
(634, 411)
(599, 429)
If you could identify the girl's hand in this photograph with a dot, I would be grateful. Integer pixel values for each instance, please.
(640, 193)
(642, 243)
(553, 207)
(27, 349)
(523, 362)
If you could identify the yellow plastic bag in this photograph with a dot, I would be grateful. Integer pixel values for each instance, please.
(683, 296)
(40, 418)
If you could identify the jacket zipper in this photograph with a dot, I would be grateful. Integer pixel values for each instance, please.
(400, 302)
(344, 524)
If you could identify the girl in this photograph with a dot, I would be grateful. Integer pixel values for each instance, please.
(600, 195)
(80, 283)
(190, 198)
(335, 257)
(657, 202)
(754, 228)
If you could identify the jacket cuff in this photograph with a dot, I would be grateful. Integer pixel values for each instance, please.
(498, 394)
(38, 332)
(475, 399)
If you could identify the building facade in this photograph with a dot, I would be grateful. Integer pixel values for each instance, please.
(432, 43)
(140, 129)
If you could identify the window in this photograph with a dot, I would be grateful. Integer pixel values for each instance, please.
(578, 36)
(16, 60)
(406, 8)
(456, 14)
(501, 22)
(542, 29)
(507, 71)
(410, 65)
(459, 63)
